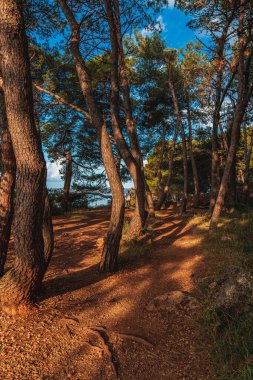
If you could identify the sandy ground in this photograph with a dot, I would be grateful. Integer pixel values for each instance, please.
(93, 326)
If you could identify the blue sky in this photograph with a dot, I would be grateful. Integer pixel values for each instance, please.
(176, 34)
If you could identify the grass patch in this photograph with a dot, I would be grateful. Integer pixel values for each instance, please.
(230, 329)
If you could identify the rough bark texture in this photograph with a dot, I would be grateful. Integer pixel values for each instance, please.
(184, 146)
(245, 89)
(171, 158)
(109, 259)
(67, 181)
(139, 219)
(247, 158)
(7, 184)
(19, 284)
(113, 237)
(216, 115)
(193, 161)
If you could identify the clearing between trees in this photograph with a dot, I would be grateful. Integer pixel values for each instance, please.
(94, 326)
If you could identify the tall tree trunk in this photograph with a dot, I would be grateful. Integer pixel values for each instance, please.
(113, 237)
(150, 201)
(171, 158)
(215, 164)
(20, 283)
(246, 172)
(67, 180)
(184, 146)
(159, 169)
(141, 187)
(132, 158)
(245, 89)
(7, 184)
(109, 259)
(47, 224)
(193, 162)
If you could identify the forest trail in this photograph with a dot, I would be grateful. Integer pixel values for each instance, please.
(95, 327)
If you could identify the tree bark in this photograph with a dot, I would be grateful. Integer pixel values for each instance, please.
(159, 169)
(20, 283)
(247, 157)
(112, 240)
(184, 146)
(245, 89)
(7, 184)
(171, 158)
(140, 216)
(193, 162)
(67, 180)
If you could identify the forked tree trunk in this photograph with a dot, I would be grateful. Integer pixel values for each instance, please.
(67, 180)
(169, 178)
(193, 161)
(112, 240)
(184, 146)
(132, 159)
(19, 284)
(7, 185)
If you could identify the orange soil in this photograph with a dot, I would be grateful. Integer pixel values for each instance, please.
(88, 324)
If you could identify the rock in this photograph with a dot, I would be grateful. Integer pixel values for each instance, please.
(172, 301)
(234, 289)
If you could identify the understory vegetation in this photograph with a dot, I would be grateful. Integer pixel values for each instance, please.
(227, 293)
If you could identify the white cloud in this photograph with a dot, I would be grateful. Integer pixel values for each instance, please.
(53, 170)
(171, 3)
(159, 26)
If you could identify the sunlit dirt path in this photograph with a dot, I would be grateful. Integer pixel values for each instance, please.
(96, 327)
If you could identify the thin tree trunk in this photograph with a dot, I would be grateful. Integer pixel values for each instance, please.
(184, 146)
(159, 169)
(7, 184)
(215, 164)
(131, 127)
(20, 283)
(171, 159)
(245, 89)
(193, 162)
(246, 172)
(150, 202)
(112, 240)
(47, 226)
(67, 180)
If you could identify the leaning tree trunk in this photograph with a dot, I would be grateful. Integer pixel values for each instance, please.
(113, 237)
(141, 186)
(132, 159)
(193, 161)
(67, 180)
(245, 90)
(7, 184)
(168, 182)
(20, 283)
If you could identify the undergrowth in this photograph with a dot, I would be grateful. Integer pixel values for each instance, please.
(230, 329)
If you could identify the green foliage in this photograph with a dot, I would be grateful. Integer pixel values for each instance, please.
(230, 329)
